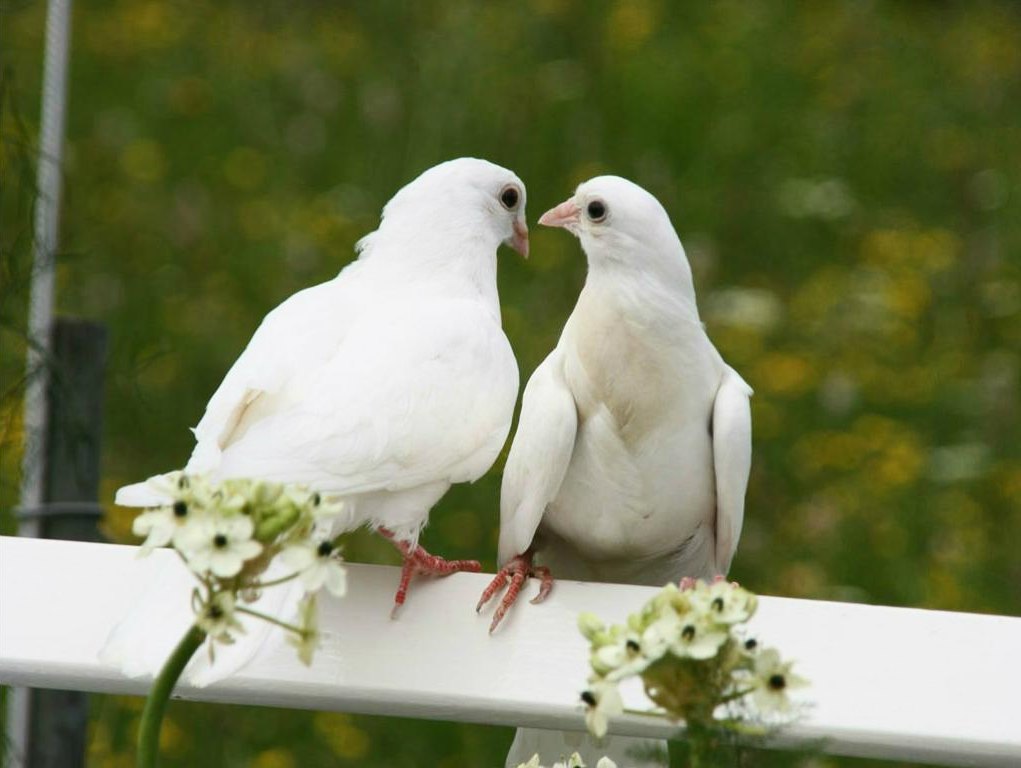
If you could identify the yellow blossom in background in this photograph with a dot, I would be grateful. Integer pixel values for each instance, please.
(144, 161)
(244, 168)
(347, 740)
(784, 374)
(173, 738)
(630, 23)
(259, 218)
(274, 758)
(551, 7)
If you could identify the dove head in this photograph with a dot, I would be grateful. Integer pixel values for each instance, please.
(623, 227)
(455, 204)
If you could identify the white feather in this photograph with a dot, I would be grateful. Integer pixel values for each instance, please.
(633, 449)
(538, 458)
(382, 386)
(732, 453)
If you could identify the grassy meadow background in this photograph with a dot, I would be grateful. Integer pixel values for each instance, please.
(846, 178)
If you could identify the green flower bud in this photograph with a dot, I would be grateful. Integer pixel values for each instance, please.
(590, 625)
(275, 522)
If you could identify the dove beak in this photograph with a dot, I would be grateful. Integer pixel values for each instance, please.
(566, 215)
(519, 240)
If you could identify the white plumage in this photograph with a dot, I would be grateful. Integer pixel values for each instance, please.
(632, 453)
(382, 387)
(390, 382)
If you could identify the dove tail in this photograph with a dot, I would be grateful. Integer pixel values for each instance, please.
(159, 615)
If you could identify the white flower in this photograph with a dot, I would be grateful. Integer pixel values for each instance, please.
(749, 647)
(307, 640)
(608, 658)
(725, 603)
(698, 638)
(198, 491)
(574, 761)
(171, 484)
(659, 636)
(632, 663)
(158, 526)
(163, 525)
(220, 545)
(322, 507)
(603, 701)
(773, 679)
(218, 619)
(317, 564)
(533, 763)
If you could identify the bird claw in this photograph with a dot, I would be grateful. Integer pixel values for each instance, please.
(516, 571)
(545, 583)
(417, 561)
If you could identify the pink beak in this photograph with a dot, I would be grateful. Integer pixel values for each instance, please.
(566, 215)
(519, 241)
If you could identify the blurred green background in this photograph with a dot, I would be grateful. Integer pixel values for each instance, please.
(846, 178)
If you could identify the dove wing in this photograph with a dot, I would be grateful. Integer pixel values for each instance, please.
(539, 456)
(415, 392)
(732, 457)
(305, 328)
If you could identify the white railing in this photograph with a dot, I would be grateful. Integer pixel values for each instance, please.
(897, 683)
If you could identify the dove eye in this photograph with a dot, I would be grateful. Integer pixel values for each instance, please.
(509, 198)
(596, 210)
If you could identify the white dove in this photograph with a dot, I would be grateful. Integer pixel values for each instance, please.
(633, 449)
(392, 381)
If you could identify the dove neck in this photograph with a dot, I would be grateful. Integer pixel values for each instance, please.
(458, 259)
(649, 293)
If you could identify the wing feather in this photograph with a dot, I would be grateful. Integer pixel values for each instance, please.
(539, 456)
(414, 394)
(732, 457)
(305, 327)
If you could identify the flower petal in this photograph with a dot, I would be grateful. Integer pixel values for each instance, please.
(297, 557)
(336, 579)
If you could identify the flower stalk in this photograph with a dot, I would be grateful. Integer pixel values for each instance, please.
(228, 534)
(156, 702)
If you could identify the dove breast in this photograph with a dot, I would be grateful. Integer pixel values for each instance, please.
(640, 481)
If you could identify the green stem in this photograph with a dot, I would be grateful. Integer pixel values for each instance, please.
(162, 687)
(274, 582)
(271, 620)
(696, 746)
(647, 713)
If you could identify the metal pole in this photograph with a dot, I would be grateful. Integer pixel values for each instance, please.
(47, 224)
(40, 314)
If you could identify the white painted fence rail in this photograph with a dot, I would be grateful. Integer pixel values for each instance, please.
(899, 683)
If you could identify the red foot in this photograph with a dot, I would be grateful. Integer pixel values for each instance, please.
(516, 570)
(419, 562)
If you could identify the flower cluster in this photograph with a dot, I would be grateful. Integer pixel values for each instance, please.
(574, 761)
(686, 646)
(229, 533)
